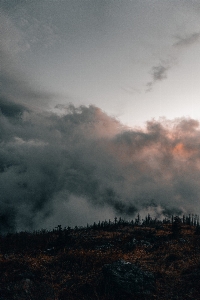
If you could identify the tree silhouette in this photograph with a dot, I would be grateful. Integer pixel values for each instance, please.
(176, 226)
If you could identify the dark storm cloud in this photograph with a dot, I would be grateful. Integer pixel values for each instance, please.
(188, 40)
(84, 160)
(10, 109)
(14, 86)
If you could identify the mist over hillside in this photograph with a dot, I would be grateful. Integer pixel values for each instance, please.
(80, 165)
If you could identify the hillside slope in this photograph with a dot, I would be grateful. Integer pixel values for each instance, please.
(68, 263)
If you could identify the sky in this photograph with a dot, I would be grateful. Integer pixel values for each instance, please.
(99, 110)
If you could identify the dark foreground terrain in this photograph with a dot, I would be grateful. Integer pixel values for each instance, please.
(109, 260)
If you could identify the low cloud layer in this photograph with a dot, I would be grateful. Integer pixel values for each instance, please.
(82, 165)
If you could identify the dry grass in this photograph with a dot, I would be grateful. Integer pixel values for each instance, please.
(67, 264)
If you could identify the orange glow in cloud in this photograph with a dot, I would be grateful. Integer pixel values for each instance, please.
(180, 150)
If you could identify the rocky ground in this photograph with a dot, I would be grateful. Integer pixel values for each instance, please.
(109, 261)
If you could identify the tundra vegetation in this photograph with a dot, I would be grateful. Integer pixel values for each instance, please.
(70, 263)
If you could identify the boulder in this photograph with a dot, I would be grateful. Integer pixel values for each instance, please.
(122, 277)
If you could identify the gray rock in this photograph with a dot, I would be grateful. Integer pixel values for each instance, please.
(127, 278)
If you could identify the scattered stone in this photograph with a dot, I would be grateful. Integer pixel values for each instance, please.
(104, 247)
(183, 240)
(127, 278)
(145, 243)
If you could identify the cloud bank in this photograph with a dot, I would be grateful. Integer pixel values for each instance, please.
(82, 165)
